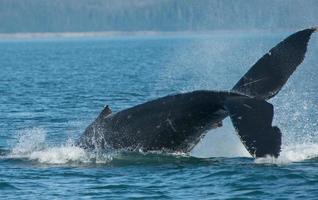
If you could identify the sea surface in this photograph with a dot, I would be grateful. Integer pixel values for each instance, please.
(51, 89)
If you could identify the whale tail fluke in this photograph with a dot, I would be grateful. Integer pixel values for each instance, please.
(268, 75)
(252, 119)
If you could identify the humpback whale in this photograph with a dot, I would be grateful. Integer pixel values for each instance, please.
(177, 122)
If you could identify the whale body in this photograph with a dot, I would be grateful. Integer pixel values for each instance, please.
(178, 122)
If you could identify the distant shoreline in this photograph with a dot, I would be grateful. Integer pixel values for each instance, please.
(111, 34)
(45, 35)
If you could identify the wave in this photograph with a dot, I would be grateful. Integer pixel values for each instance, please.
(7, 186)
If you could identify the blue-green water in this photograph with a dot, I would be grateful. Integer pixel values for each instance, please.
(50, 90)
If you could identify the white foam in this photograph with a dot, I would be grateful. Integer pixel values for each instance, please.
(32, 145)
(60, 155)
(292, 153)
(221, 142)
(300, 152)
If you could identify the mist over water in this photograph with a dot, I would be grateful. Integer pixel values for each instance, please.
(51, 89)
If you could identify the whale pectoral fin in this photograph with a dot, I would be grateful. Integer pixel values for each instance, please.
(252, 119)
(269, 74)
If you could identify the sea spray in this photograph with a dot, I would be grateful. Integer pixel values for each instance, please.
(32, 145)
(292, 153)
(29, 140)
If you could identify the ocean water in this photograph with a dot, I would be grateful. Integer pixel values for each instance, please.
(51, 89)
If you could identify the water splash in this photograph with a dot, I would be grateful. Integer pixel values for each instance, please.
(32, 145)
(60, 155)
(292, 153)
(223, 142)
(29, 140)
